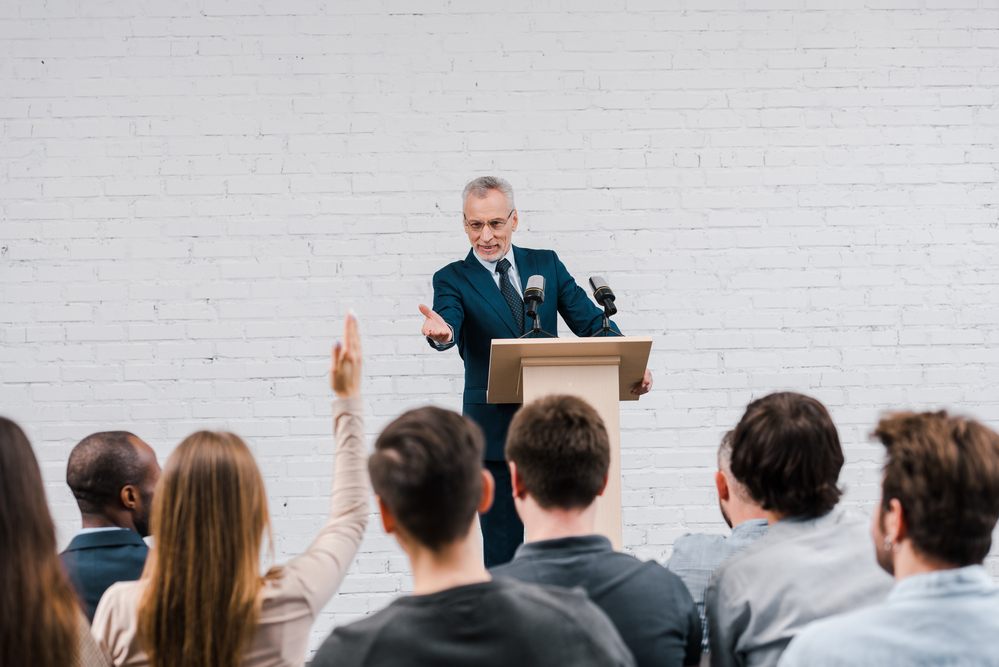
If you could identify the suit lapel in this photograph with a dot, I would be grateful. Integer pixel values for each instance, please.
(483, 283)
(526, 266)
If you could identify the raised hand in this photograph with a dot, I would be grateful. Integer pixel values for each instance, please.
(644, 386)
(345, 365)
(434, 327)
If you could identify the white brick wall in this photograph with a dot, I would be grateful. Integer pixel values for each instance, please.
(786, 194)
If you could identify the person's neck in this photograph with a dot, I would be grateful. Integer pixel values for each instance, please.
(740, 513)
(457, 564)
(556, 523)
(908, 562)
(773, 517)
(108, 520)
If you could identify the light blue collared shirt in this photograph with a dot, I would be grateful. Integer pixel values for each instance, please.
(695, 558)
(491, 268)
(802, 570)
(947, 617)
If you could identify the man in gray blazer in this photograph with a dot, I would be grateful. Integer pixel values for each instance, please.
(112, 475)
(816, 560)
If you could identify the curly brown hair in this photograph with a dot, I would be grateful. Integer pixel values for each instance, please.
(944, 470)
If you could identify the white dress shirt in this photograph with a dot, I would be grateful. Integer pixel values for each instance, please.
(514, 276)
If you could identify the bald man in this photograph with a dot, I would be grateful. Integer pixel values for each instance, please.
(112, 475)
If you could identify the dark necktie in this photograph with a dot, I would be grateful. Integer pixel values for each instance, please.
(510, 293)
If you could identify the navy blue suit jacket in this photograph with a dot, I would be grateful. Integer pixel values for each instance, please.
(467, 298)
(94, 561)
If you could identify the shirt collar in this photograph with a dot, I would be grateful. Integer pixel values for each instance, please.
(749, 528)
(87, 531)
(941, 583)
(491, 266)
(565, 546)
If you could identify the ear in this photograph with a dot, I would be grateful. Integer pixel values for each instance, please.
(388, 519)
(603, 487)
(721, 482)
(517, 482)
(488, 489)
(895, 525)
(513, 221)
(129, 496)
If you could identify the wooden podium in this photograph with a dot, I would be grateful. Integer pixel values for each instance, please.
(601, 371)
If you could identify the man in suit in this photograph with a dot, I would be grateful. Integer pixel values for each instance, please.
(479, 299)
(112, 475)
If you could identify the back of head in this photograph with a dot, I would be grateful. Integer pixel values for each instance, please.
(481, 186)
(38, 610)
(99, 467)
(737, 488)
(944, 471)
(200, 606)
(786, 452)
(561, 450)
(427, 469)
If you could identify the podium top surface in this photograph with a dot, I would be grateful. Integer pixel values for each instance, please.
(508, 355)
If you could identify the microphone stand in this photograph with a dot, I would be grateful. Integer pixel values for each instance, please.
(605, 327)
(536, 327)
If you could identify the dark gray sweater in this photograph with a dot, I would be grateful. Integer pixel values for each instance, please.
(496, 623)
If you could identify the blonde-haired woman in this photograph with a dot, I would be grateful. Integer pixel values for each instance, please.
(201, 601)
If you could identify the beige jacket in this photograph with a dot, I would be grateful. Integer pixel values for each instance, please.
(290, 604)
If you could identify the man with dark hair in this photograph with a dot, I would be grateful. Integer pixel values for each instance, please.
(112, 475)
(559, 456)
(696, 556)
(939, 506)
(428, 478)
(815, 560)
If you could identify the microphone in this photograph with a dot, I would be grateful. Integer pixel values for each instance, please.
(534, 295)
(603, 294)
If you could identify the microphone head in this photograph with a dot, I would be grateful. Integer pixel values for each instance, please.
(603, 294)
(535, 288)
(534, 295)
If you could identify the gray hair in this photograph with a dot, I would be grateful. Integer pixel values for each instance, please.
(481, 186)
(725, 465)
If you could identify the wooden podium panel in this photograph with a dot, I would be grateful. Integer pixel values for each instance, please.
(506, 353)
(601, 371)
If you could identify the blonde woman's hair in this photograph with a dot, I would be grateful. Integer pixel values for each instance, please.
(200, 606)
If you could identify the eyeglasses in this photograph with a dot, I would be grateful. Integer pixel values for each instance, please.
(495, 225)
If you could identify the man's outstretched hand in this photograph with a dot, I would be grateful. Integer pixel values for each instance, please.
(345, 365)
(434, 327)
(644, 386)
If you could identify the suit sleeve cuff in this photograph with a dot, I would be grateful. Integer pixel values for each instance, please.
(442, 346)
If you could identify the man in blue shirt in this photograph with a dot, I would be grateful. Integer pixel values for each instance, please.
(695, 557)
(112, 475)
(939, 506)
(559, 456)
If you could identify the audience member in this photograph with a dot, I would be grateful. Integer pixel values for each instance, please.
(815, 560)
(41, 624)
(201, 601)
(939, 506)
(427, 473)
(559, 456)
(112, 475)
(695, 557)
